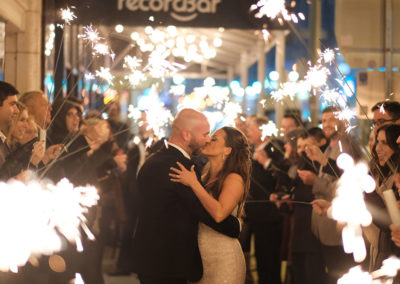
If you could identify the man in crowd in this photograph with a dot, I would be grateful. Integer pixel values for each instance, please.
(8, 112)
(165, 242)
(289, 122)
(263, 219)
(323, 187)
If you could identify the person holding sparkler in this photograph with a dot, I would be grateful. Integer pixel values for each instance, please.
(27, 151)
(165, 244)
(384, 167)
(323, 187)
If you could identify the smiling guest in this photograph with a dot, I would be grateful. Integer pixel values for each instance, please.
(384, 166)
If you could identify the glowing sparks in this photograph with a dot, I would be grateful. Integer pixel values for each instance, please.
(101, 48)
(105, 74)
(288, 89)
(275, 9)
(268, 130)
(334, 96)
(67, 15)
(328, 55)
(89, 76)
(132, 62)
(317, 76)
(90, 34)
(159, 67)
(348, 206)
(35, 218)
(356, 275)
(346, 114)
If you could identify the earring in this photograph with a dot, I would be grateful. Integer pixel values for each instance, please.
(223, 157)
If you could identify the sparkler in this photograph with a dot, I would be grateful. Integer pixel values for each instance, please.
(105, 74)
(317, 76)
(275, 9)
(348, 206)
(67, 15)
(35, 215)
(268, 130)
(90, 34)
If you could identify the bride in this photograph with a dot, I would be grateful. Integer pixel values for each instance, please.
(226, 179)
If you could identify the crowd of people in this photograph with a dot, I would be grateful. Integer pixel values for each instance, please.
(187, 208)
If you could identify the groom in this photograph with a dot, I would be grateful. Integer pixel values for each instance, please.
(165, 242)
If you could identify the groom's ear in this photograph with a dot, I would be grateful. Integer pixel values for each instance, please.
(186, 135)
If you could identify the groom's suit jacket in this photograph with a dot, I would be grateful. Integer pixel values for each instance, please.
(165, 241)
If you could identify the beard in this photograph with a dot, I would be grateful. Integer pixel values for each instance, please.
(195, 147)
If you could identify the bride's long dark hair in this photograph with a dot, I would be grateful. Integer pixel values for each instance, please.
(238, 161)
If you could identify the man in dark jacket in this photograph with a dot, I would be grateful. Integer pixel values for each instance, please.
(8, 112)
(165, 243)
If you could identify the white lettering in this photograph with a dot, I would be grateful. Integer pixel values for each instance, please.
(203, 6)
(179, 8)
(142, 6)
(120, 4)
(166, 5)
(154, 7)
(214, 5)
(191, 8)
(132, 5)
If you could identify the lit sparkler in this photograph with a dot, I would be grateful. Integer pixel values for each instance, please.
(67, 15)
(105, 74)
(101, 48)
(90, 34)
(328, 55)
(34, 216)
(268, 130)
(317, 76)
(275, 9)
(348, 206)
(159, 67)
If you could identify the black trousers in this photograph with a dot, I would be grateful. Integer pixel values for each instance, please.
(308, 268)
(267, 245)
(151, 280)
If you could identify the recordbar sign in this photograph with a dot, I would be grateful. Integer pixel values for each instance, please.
(180, 10)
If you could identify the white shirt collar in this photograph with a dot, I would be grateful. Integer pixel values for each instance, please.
(184, 153)
(3, 137)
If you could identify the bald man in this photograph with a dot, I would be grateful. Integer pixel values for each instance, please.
(165, 242)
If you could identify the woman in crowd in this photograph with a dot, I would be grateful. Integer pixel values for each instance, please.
(384, 166)
(27, 151)
(226, 180)
(87, 158)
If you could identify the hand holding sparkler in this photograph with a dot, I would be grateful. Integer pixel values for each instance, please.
(37, 153)
(321, 206)
(307, 177)
(314, 153)
(51, 153)
(96, 132)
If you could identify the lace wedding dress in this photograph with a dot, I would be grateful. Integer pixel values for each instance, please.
(222, 257)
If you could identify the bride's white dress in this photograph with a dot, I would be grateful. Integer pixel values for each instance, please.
(222, 257)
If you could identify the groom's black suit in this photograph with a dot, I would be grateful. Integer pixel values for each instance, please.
(165, 242)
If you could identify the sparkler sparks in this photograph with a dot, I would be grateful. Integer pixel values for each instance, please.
(35, 215)
(275, 9)
(328, 55)
(90, 34)
(268, 130)
(105, 74)
(348, 206)
(67, 15)
(317, 76)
